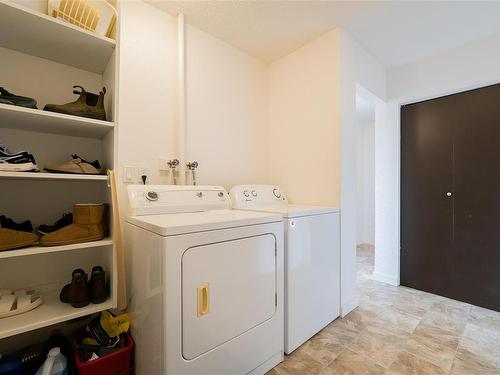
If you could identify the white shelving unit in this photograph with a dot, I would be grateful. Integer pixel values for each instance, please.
(19, 118)
(37, 250)
(46, 57)
(52, 311)
(37, 34)
(52, 176)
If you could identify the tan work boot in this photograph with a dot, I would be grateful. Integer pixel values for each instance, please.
(87, 226)
(87, 105)
(14, 239)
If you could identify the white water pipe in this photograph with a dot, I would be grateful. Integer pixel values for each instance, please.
(181, 52)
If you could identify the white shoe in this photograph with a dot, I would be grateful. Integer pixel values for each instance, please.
(21, 167)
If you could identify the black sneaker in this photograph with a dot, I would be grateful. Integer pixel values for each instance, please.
(23, 163)
(5, 153)
(8, 223)
(21, 101)
(66, 220)
(16, 162)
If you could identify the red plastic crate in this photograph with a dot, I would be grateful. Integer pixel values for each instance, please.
(116, 363)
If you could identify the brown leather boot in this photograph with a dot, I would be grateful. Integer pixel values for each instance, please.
(77, 292)
(97, 285)
(87, 226)
(87, 105)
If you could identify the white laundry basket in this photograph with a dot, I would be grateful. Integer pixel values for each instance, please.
(94, 15)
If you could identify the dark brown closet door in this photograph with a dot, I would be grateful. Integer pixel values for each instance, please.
(426, 210)
(476, 257)
(450, 196)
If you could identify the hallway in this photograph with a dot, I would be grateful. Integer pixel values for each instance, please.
(398, 330)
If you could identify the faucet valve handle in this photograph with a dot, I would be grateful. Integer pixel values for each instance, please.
(173, 163)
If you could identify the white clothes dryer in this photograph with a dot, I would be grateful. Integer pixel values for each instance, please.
(205, 281)
(312, 259)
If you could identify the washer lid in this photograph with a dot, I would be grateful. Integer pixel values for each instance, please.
(295, 210)
(192, 222)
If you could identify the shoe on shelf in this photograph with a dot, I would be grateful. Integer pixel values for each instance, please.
(21, 101)
(6, 222)
(87, 226)
(97, 285)
(77, 292)
(87, 105)
(5, 153)
(64, 221)
(76, 166)
(16, 162)
(14, 239)
(18, 302)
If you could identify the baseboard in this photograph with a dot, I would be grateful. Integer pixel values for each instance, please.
(350, 305)
(385, 278)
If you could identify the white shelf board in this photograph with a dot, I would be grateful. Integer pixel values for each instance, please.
(34, 250)
(20, 118)
(51, 311)
(52, 176)
(25, 30)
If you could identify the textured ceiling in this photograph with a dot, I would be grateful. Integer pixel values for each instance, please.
(393, 32)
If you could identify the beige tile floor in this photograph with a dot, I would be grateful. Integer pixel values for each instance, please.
(398, 330)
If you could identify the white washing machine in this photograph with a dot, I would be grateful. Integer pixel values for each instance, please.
(312, 259)
(205, 281)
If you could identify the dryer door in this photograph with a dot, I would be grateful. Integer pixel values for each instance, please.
(227, 289)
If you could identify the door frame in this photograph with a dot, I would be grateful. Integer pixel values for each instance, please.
(399, 104)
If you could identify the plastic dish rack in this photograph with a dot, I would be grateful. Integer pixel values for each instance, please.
(97, 16)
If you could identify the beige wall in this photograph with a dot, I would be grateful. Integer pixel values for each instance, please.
(226, 107)
(226, 101)
(147, 95)
(304, 122)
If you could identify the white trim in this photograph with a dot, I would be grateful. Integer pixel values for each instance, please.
(449, 92)
(350, 305)
(386, 278)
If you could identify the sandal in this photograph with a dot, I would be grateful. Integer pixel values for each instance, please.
(19, 302)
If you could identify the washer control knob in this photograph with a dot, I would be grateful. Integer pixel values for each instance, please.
(246, 193)
(199, 194)
(254, 193)
(152, 196)
(220, 194)
(277, 193)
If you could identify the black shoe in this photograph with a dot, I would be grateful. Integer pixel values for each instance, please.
(21, 101)
(95, 163)
(8, 223)
(5, 153)
(66, 220)
(16, 162)
(77, 292)
(97, 285)
(21, 163)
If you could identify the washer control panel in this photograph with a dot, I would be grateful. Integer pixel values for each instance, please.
(245, 196)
